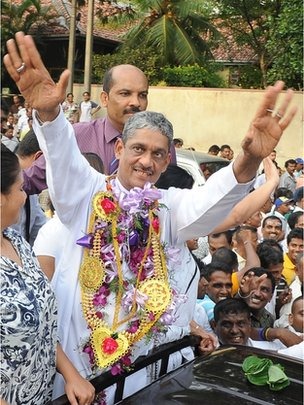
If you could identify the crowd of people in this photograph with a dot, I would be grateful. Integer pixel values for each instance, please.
(134, 255)
(16, 119)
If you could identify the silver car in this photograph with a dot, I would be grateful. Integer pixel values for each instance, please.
(200, 165)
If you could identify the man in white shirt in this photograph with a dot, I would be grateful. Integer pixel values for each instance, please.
(87, 108)
(143, 154)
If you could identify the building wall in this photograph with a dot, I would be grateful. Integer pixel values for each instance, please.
(202, 117)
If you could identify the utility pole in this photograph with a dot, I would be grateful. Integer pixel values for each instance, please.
(72, 41)
(89, 47)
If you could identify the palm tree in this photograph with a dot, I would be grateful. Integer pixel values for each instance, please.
(178, 30)
(21, 17)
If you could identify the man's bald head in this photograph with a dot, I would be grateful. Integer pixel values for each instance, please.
(115, 71)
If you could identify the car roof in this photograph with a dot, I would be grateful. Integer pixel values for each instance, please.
(199, 156)
(219, 379)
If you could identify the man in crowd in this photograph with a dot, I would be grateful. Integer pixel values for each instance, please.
(225, 151)
(219, 286)
(217, 241)
(295, 246)
(233, 325)
(78, 191)
(272, 228)
(87, 108)
(299, 167)
(288, 179)
(296, 288)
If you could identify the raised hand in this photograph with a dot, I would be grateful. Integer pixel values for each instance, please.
(34, 82)
(270, 170)
(264, 132)
(269, 122)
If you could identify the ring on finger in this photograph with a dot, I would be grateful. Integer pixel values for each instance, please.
(20, 68)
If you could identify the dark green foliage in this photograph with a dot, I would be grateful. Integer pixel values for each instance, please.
(192, 76)
(286, 45)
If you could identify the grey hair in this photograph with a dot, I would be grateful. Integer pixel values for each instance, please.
(148, 119)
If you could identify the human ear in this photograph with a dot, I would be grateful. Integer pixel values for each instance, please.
(104, 97)
(290, 319)
(118, 148)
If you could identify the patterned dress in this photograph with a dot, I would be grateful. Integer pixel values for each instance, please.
(28, 316)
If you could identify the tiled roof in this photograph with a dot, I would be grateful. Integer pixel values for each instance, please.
(228, 51)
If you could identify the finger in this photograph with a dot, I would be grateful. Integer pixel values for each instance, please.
(12, 60)
(269, 100)
(63, 82)
(29, 52)
(285, 103)
(288, 118)
(13, 52)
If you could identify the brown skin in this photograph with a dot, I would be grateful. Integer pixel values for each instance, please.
(127, 95)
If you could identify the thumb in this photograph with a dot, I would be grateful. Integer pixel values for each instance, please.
(63, 83)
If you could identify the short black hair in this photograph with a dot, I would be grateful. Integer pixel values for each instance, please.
(230, 306)
(107, 82)
(224, 147)
(227, 256)
(29, 144)
(283, 192)
(295, 233)
(177, 141)
(298, 194)
(214, 148)
(10, 169)
(290, 162)
(175, 176)
(293, 218)
(272, 217)
(228, 235)
(269, 256)
(217, 266)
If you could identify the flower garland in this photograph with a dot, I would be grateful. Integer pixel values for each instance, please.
(124, 230)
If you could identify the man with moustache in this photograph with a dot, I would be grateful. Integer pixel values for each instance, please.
(79, 192)
(125, 92)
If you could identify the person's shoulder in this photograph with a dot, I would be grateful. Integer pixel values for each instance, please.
(90, 126)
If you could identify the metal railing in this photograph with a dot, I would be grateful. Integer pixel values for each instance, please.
(161, 353)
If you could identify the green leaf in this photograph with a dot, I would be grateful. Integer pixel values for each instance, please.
(277, 379)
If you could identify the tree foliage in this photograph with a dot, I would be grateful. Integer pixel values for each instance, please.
(144, 59)
(179, 31)
(286, 45)
(248, 20)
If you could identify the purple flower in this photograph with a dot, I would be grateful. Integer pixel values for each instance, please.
(172, 255)
(89, 351)
(127, 300)
(133, 327)
(116, 369)
(134, 200)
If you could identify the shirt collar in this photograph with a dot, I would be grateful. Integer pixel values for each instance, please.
(111, 133)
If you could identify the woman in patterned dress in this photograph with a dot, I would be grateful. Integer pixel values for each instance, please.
(28, 313)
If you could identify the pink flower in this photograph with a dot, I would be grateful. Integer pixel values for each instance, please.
(155, 224)
(107, 205)
(109, 345)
